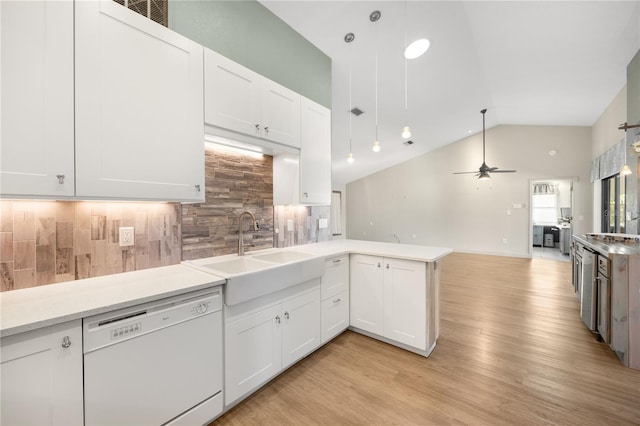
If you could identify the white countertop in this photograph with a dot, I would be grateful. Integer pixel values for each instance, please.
(373, 248)
(36, 307)
(31, 308)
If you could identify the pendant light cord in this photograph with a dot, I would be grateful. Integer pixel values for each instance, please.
(376, 80)
(350, 107)
(406, 101)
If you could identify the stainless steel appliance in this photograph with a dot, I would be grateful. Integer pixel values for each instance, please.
(604, 298)
(578, 250)
(159, 363)
(588, 289)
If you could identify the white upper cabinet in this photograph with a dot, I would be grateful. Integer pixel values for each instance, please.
(231, 95)
(139, 107)
(315, 154)
(280, 114)
(36, 75)
(240, 100)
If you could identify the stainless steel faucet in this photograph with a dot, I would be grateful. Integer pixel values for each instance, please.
(255, 228)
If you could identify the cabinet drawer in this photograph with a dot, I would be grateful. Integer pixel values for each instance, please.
(335, 279)
(603, 265)
(335, 316)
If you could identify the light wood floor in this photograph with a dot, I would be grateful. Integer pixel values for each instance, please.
(512, 351)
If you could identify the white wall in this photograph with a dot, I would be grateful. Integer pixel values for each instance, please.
(423, 202)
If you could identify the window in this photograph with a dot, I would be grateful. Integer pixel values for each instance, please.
(545, 208)
(613, 204)
(545, 203)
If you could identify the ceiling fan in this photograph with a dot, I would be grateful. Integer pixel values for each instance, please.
(484, 170)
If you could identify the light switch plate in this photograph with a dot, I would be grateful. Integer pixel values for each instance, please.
(290, 225)
(127, 236)
(323, 223)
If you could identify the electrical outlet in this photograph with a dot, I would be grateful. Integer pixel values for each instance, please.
(504, 241)
(508, 212)
(323, 223)
(127, 237)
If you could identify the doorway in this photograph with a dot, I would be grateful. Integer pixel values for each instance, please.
(551, 218)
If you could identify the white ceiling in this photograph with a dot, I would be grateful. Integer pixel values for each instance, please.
(537, 62)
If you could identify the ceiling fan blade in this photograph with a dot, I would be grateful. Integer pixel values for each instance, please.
(464, 173)
(503, 171)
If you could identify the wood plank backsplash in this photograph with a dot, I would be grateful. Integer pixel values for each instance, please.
(44, 242)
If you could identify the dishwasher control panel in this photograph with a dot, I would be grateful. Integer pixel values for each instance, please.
(127, 330)
(118, 326)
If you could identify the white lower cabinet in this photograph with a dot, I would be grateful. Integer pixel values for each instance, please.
(268, 339)
(334, 287)
(367, 290)
(389, 298)
(41, 376)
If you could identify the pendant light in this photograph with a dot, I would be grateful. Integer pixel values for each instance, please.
(348, 38)
(374, 17)
(406, 130)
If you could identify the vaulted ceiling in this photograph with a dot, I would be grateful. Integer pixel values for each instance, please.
(537, 62)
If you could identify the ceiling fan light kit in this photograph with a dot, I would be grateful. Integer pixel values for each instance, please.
(484, 171)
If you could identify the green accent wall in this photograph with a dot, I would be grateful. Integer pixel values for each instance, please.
(248, 33)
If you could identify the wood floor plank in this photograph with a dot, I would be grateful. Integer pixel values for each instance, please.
(512, 350)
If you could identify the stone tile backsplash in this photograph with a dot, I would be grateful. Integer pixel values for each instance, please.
(44, 242)
(234, 182)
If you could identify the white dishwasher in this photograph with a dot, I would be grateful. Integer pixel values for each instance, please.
(157, 363)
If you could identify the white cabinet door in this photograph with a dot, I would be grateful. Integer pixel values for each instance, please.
(315, 154)
(252, 352)
(139, 107)
(335, 315)
(41, 379)
(231, 95)
(405, 302)
(301, 326)
(36, 82)
(366, 283)
(280, 114)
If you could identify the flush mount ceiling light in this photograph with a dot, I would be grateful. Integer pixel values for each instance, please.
(417, 48)
(348, 38)
(374, 17)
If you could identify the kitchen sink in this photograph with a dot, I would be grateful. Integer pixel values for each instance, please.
(282, 256)
(258, 274)
(239, 265)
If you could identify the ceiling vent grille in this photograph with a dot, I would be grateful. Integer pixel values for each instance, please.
(357, 111)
